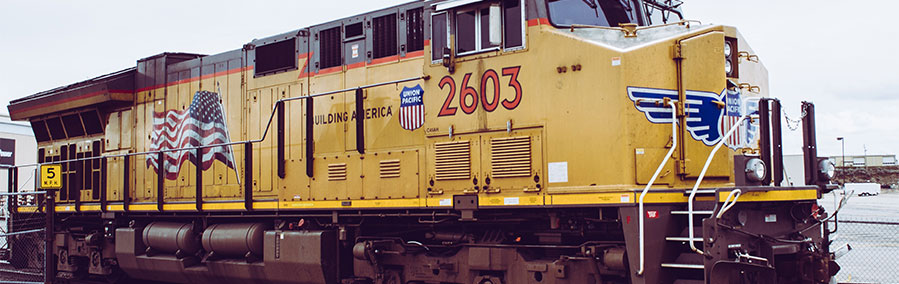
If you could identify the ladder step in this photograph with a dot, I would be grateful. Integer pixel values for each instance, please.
(695, 212)
(701, 192)
(683, 239)
(688, 281)
(683, 266)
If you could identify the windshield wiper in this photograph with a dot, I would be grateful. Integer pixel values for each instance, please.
(592, 4)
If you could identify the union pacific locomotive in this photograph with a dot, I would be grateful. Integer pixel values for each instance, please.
(458, 141)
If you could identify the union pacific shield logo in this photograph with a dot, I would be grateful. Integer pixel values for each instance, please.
(412, 109)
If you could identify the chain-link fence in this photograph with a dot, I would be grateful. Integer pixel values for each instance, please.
(22, 238)
(867, 250)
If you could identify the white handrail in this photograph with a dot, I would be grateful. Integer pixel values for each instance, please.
(701, 175)
(653, 179)
(728, 203)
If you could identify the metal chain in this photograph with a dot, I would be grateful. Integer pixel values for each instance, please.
(794, 124)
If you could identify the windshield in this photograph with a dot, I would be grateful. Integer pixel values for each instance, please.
(606, 13)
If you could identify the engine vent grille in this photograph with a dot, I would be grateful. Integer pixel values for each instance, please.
(453, 160)
(510, 157)
(390, 168)
(337, 171)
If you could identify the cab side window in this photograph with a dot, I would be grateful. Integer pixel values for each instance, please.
(438, 36)
(513, 24)
(473, 27)
(473, 30)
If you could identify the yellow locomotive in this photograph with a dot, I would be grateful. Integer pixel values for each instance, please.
(457, 141)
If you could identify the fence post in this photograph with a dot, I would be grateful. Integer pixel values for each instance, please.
(49, 258)
(13, 201)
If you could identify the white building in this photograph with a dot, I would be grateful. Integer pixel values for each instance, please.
(17, 147)
(865, 161)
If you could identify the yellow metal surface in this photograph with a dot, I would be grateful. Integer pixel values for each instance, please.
(492, 127)
(774, 195)
(592, 198)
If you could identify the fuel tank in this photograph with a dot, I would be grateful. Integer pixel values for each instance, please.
(171, 238)
(234, 240)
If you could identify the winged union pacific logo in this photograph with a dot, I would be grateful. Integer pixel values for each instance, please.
(706, 120)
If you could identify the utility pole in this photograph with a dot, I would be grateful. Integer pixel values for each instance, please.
(842, 152)
(865, 146)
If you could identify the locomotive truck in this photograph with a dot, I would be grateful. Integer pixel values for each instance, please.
(457, 141)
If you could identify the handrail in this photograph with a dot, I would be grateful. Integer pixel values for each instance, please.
(264, 133)
(17, 193)
(653, 179)
(701, 175)
(728, 203)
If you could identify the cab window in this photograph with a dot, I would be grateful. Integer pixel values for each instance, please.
(513, 24)
(438, 36)
(605, 13)
(659, 14)
(472, 31)
(473, 27)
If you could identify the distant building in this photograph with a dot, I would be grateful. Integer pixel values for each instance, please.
(865, 161)
(17, 147)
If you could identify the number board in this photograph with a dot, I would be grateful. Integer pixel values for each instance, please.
(51, 178)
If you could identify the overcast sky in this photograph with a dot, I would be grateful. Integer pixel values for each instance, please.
(838, 54)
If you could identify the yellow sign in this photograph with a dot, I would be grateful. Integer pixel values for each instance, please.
(51, 176)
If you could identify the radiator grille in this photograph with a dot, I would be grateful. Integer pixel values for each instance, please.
(390, 168)
(453, 160)
(337, 171)
(510, 157)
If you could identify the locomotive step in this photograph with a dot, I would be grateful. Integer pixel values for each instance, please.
(688, 281)
(701, 192)
(683, 239)
(695, 212)
(687, 260)
(683, 266)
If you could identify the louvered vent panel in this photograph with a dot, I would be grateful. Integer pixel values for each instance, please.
(453, 160)
(337, 171)
(390, 168)
(510, 157)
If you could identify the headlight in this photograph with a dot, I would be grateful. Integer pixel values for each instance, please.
(828, 170)
(755, 170)
(731, 63)
(727, 49)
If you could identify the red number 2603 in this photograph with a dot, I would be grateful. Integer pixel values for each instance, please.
(469, 97)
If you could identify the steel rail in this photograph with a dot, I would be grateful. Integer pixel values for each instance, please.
(705, 168)
(653, 179)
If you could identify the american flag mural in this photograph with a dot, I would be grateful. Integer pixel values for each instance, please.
(412, 109)
(201, 124)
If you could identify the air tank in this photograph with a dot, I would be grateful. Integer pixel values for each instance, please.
(171, 238)
(234, 240)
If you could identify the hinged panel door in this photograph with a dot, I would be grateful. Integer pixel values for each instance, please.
(700, 54)
(512, 168)
(453, 167)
